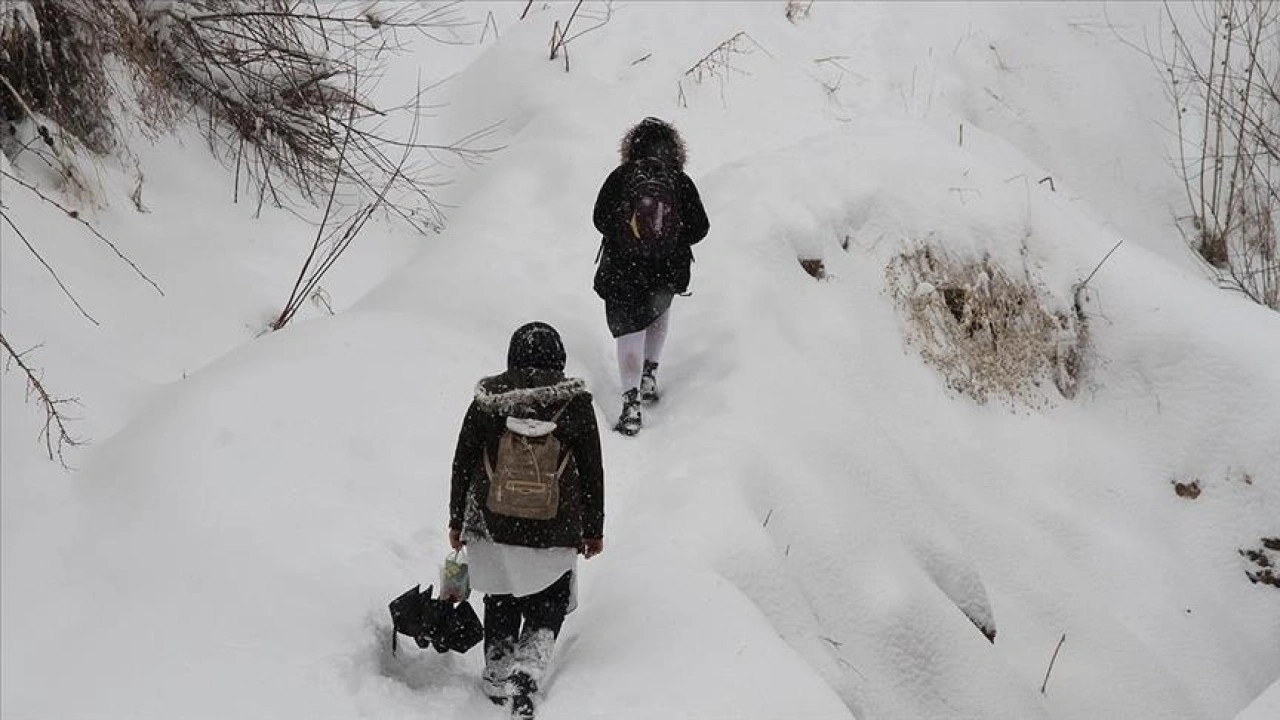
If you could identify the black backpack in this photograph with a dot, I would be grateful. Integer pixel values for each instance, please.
(651, 209)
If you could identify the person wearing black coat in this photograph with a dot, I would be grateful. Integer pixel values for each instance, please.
(638, 290)
(526, 566)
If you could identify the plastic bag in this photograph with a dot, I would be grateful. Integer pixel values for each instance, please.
(455, 579)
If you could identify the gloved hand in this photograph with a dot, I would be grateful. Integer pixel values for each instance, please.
(591, 547)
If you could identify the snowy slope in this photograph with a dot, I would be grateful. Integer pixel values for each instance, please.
(809, 520)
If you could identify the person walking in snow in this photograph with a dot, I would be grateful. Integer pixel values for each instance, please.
(527, 498)
(650, 216)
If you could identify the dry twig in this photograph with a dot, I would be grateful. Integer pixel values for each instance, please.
(1052, 660)
(54, 434)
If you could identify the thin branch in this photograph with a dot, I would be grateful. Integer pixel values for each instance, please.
(74, 215)
(1101, 262)
(65, 290)
(54, 420)
(1052, 660)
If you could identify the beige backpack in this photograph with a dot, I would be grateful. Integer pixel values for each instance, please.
(524, 481)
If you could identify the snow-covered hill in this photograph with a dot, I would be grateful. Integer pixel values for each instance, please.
(811, 524)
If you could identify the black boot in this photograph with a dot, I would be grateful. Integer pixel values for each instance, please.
(649, 383)
(522, 690)
(629, 421)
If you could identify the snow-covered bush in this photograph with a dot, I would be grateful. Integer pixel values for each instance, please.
(987, 332)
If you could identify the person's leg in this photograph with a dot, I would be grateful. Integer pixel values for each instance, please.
(631, 359)
(655, 337)
(501, 631)
(630, 366)
(543, 613)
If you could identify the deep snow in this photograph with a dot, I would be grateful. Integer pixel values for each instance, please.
(809, 515)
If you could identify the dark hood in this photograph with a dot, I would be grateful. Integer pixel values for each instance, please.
(536, 345)
(653, 137)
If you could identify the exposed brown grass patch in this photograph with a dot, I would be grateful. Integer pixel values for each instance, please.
(988, 333)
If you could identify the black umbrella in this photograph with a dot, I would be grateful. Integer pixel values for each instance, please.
(462, 628)
(434, 622)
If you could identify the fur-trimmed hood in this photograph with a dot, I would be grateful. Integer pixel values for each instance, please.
(653, 137)
(522, 392)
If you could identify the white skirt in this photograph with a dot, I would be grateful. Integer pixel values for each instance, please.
(498, 569)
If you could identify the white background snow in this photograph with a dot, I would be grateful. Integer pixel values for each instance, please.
(809, 510)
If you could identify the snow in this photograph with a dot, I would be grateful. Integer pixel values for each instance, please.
(1266, 706)
(810, 525)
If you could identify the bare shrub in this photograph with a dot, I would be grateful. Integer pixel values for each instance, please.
(560, 37)
(282, 85)
(285, 87)
(987, 333)
(1223, 74)
(719, 63)
(52, 62)
(280, 88)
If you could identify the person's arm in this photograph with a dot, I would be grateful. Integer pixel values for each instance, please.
(469, 453)
(606, 215)
(692, 214)
(587, 456)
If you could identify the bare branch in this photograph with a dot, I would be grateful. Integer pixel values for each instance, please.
(65, 290)
(75, 215)
(1052, 660)
(55, 435)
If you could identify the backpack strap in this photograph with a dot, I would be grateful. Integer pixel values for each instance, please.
(561, 411)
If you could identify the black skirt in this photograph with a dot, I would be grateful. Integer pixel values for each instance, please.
(633, 315)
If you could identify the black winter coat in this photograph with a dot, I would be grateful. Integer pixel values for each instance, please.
(536, 394)
(626, 279)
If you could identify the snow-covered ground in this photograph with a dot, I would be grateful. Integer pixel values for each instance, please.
(810, 525)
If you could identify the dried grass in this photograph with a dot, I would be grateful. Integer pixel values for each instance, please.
(990, 335)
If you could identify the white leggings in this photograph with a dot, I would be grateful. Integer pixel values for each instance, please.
(640, 347)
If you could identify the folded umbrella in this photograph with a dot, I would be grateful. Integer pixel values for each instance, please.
(461, 628)
(421, 617)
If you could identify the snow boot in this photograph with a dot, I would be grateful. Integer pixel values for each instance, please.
(495, 680)
(522, 689)
(495, 687)
(649, 383)
(629, 421)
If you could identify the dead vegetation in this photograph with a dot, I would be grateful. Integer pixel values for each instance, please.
(989, 334)
(815, 268)
(1263, 561)
(719, 64)
(560, 35)
(797, 10)
(55, 433)
(280, 89)
(1222, 73)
